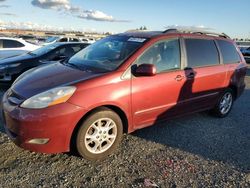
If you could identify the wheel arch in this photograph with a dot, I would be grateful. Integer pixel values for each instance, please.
(235, 91)
(113, 108)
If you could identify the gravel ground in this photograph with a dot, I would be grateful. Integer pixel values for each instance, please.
(193, 151)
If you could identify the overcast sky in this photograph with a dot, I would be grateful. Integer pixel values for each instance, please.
(229, 16)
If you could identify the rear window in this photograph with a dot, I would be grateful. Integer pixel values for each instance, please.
(201, 52)
(229, 52)
(12, 44)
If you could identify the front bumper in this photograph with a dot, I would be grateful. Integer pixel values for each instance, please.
(56, 124)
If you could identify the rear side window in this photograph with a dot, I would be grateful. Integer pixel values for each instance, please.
(73, 40)
(1, 43)
(12, 44)
(229, 52)
(201, 52)
(63, 40)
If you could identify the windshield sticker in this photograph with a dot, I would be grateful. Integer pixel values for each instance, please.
(136, 39)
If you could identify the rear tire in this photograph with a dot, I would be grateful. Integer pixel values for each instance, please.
(224, 104)
(99, 135)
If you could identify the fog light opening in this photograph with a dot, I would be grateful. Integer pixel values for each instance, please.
(39, 141)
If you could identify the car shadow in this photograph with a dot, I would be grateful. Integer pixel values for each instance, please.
(220, 139)
(225, 140)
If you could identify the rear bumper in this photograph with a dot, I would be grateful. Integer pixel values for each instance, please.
(55, 124)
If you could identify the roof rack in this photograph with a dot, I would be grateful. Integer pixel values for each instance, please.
(196, 31)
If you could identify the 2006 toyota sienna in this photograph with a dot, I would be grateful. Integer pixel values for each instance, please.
(119, 84)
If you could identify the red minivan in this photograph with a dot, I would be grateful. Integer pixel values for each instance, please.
(119, 84)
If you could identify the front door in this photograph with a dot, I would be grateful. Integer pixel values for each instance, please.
(158, 97)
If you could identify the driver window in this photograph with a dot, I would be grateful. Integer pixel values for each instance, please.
(165, 55)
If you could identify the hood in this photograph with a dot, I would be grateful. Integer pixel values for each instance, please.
(46, 77)
(18, 58)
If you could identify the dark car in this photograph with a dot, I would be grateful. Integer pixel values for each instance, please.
(120, 84)
(12, 67)
(246, 54)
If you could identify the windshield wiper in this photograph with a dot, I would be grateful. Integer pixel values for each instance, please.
(30, 53)
(70, 64)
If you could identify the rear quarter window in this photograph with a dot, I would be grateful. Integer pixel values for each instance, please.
(12, 44)
(201, 52)
(228, 52)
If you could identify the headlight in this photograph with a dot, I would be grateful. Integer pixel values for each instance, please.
(49, 98)
(13, 65)
(9, 66)
(2, 67)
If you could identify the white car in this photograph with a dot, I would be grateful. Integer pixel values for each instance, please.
(88, 40)
(12, 47)
(51, 40)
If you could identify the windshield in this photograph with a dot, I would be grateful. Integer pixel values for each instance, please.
(51, 39)
(107, 54)
(43, 50)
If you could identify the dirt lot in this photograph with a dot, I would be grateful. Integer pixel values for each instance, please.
(194, 151)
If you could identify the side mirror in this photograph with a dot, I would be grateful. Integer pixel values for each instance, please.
(145, 70)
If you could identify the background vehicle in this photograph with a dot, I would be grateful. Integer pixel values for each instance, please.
(12, 47)
(243, 45)
(246, 54)
(120, 84)
(51, 40)
(33, 39)
(88, 40)
(12, 67)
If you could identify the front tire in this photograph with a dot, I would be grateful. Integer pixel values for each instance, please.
(224, 104)
(99, 135)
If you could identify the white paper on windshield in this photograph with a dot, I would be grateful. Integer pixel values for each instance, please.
(132, 39)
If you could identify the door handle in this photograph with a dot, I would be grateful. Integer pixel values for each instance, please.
(179, 78)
